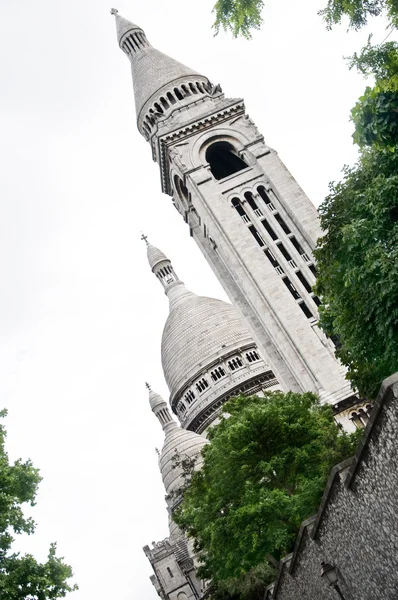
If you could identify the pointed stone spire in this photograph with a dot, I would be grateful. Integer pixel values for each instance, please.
(155, 75)
(123, 26)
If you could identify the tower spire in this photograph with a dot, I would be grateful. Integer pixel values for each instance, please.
(160, 82)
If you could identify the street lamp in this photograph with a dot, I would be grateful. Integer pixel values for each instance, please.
(329, 574)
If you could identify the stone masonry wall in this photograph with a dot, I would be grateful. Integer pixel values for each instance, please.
(356, 527)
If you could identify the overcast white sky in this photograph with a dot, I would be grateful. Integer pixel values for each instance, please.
(81, 315)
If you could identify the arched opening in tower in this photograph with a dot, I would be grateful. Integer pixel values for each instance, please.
(223, 161)
(180, 187)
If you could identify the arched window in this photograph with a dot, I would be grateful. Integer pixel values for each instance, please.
(252, 203)
(223, 160)
(137, 41)
(354, 417)
(180, 187)
(164, 102)
(171, 98)
(240, 210)
(178, 94)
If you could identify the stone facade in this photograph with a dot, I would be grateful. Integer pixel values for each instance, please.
(356, 527)
(257, 230)
(252, 221)
(174, 570)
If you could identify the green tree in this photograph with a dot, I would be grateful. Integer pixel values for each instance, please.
(375, 115)
(241, 17)
(238, 16)
(263, 473)
(22, 577)
(358, 12)
(358, 268)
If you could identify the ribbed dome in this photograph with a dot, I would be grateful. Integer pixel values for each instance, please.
(155, 256)
(183, 443)
(198, 330)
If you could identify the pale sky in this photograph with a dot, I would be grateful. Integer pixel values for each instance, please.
(81, 315)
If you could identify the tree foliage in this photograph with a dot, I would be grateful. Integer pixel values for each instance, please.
(22, 577)
(241, 17)
(249, 586)
(358, 12)
(375, 115)
(238, 16)
(358, 268)
(263, 473)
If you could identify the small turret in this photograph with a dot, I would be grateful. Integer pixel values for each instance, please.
(177, 443)
(161, 266)
(161, 410)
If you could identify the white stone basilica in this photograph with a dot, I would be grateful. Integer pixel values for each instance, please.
(257, 230)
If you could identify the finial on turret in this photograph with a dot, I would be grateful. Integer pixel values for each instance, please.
(114, 11)
(145, 239)
(148, 387)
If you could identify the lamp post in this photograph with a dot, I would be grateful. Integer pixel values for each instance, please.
(329, 574)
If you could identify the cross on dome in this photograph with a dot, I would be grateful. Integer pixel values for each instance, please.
(145, 239)
(114, 11)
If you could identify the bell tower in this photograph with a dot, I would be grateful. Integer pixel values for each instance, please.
(250, 218)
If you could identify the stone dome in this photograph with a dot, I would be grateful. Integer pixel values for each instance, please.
(198, 331)
(178, 442)
(155, 256)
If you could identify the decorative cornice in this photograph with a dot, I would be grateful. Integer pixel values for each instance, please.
(206, 122)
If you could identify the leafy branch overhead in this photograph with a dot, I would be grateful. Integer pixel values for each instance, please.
(242, 17)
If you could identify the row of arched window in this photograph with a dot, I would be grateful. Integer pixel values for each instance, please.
(189, 396)
(216, 374)
(252, 356)
(235, 363)
(135, 42)
(181, 407)
(265, 380)
(249, 198)
(166, 271)
(170, 98)
(361, 417)
(202, 384)
(164, 416)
